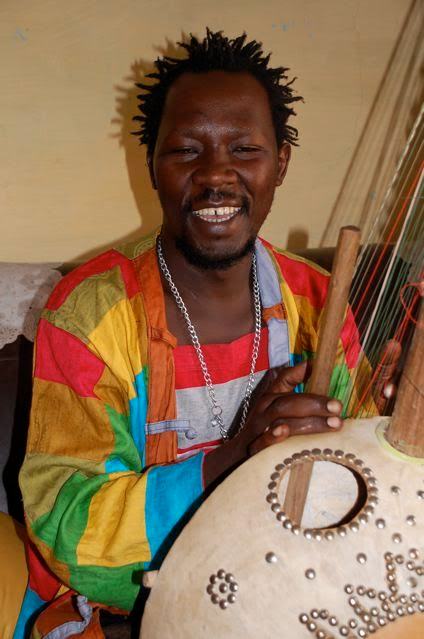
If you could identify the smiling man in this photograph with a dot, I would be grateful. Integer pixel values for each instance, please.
(147, 356)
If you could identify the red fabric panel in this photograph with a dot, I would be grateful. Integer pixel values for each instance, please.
(66, 360)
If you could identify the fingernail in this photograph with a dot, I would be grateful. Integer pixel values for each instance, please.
(334, 422)
(278, 430)
(334, 406)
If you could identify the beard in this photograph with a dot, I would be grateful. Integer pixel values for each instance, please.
(199, 257)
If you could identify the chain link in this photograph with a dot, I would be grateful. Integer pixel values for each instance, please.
(217, 419)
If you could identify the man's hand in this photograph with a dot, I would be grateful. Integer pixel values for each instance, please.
(277, 412)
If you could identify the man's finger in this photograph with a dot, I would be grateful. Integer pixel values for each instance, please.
(273, 435)
(288, 378)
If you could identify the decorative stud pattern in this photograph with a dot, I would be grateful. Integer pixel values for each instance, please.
(372, 610)
(316, 454)
(222, 588)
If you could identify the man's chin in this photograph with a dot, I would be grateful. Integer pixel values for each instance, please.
(201, 258)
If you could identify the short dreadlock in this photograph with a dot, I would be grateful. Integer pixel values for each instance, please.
(216, 53)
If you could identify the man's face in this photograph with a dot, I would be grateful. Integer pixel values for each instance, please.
(216, 163)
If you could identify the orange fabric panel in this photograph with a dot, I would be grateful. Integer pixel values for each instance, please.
(80, 424)
(161, 448)
(162, 403)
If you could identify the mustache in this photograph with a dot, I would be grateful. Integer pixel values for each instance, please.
(214, 196)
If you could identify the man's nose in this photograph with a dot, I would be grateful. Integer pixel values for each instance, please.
(215, 169)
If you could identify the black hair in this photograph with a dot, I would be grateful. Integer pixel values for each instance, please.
(216, 53)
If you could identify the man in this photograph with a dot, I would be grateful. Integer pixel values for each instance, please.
(147, 356)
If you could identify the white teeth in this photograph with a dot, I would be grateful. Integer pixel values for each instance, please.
(218, 212)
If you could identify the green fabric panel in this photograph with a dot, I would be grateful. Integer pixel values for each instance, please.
(124, 447)
(135, 248)
(88, 303)
(43, 475)
(340, 379)
(118, 586)
(62, 528)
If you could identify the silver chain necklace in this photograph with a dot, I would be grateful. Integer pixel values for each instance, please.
(216, 409)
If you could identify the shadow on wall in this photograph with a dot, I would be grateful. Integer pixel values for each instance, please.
(135, 155)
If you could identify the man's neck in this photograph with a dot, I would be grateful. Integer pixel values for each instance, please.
(219, 301)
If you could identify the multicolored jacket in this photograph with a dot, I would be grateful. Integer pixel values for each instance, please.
(104, 498)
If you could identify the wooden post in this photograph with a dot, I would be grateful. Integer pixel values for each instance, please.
(406, 429)
(329, 334)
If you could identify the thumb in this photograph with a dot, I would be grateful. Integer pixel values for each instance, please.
(288, 378)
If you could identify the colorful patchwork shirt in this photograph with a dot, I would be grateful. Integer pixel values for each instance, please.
(105, 490)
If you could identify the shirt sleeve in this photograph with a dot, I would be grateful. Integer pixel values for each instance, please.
(96, 515)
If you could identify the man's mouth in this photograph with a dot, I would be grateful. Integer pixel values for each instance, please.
(217, 215)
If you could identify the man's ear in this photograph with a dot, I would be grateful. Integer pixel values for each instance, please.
(283, 161)
(150, 167)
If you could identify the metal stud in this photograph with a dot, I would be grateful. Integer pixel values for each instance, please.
(288, 524)
(395, 490)
(316, 534)
(276, 507)
(362, 632)
(361, 590)
(399, 559)
(288, 461)
(310, 573)
(295, 529)
(316, 451)
(354, 526)
(348, 589)
(303, 618)
(339, 454)
(312, 626)
(223, 588)
(320, 634)
(223, 604)
(209, 589)
(272, 498)
(234, 587)
(371, 593)
(307, 533)
(275, 476)
(412, 582)
(281, 516)
(213, 579)
(352, 623)
(231, 598)
(333, 621)
(341, 531)
(420, 494)
(272, 485)
(271, 557)
(314, 613)
(329, 535)
(280, 467)
(361, 558)
(344, 631)
(410, 520)
(215, 599)
(380, 523)
(221, 573)
(323, 613)
(229, 578)
(397, 538)
(327, 452)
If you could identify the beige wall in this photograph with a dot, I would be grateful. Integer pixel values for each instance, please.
(72, 179)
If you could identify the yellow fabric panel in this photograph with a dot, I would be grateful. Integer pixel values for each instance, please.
(109, 392)
(115, 342)
(13, 573)
(120, 502)
(303, 260)
(306, 336)
(41, 478)
(80, 424)
(142, 329)
(292, 315)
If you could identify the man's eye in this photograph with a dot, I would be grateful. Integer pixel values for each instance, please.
(246, 149)
(184, 150)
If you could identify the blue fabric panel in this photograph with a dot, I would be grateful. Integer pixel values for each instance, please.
(138, 413)
(269, 285)
(173, 493)
(31, 605)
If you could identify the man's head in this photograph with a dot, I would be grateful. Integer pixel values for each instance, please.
(218, 143)
(217, 53)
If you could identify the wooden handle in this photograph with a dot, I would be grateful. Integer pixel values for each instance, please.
(335, 308)
(406, 429)
(329, 333)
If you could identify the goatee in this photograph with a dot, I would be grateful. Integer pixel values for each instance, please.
(199, 258)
